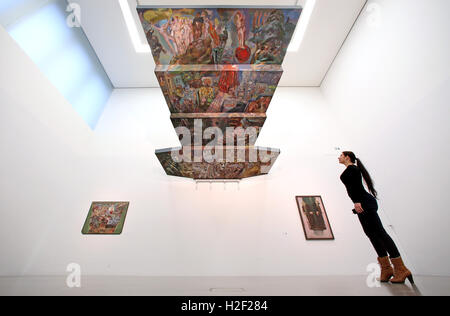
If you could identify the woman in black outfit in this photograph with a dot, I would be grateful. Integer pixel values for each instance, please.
(366, 207)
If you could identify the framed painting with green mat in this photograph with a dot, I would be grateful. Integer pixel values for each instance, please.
(105, 218)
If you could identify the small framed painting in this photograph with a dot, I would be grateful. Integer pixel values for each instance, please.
(105, 218)
(314, 218)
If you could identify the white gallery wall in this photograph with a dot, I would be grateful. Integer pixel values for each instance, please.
(390, 89)
(53, 166)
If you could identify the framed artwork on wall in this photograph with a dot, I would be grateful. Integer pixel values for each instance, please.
(316, 225)
(105, 218)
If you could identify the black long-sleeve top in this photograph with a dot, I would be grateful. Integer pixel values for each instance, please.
(352, 179)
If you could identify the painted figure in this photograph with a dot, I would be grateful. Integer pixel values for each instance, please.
(313, 213)
(199, 50)
(227, 83)
(242, 52)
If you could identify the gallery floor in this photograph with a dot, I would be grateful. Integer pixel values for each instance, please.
(219, 286)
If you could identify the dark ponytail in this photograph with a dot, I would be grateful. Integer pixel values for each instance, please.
(364, 172)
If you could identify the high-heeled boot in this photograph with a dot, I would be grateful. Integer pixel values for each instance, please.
(386, 269)
(400, 271)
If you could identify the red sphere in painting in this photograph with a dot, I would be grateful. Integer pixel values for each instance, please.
(243, 53)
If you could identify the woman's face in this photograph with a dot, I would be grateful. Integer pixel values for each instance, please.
(342, 158)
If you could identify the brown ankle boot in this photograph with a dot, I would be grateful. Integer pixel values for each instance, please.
(400, 271)
(386, 269)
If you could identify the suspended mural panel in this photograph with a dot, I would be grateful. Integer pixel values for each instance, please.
(218, 69)
(218, 162)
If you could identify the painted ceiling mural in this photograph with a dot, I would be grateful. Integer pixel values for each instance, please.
(218, 69)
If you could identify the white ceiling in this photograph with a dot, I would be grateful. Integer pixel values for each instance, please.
(105, 27)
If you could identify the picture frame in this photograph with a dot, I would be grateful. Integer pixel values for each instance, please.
(105, 218)
(314, 218)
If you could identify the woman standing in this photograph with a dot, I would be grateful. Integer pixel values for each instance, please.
(366, 207)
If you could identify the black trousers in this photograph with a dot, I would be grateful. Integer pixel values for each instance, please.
(380, 239)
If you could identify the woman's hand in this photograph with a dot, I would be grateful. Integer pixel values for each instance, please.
(358, 208)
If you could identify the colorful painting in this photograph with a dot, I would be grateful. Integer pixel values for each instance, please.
(314, 218)
(212, 89)
(246, 127)
(106, 218)
(202, 35)
(256, 161)
(218, 67)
